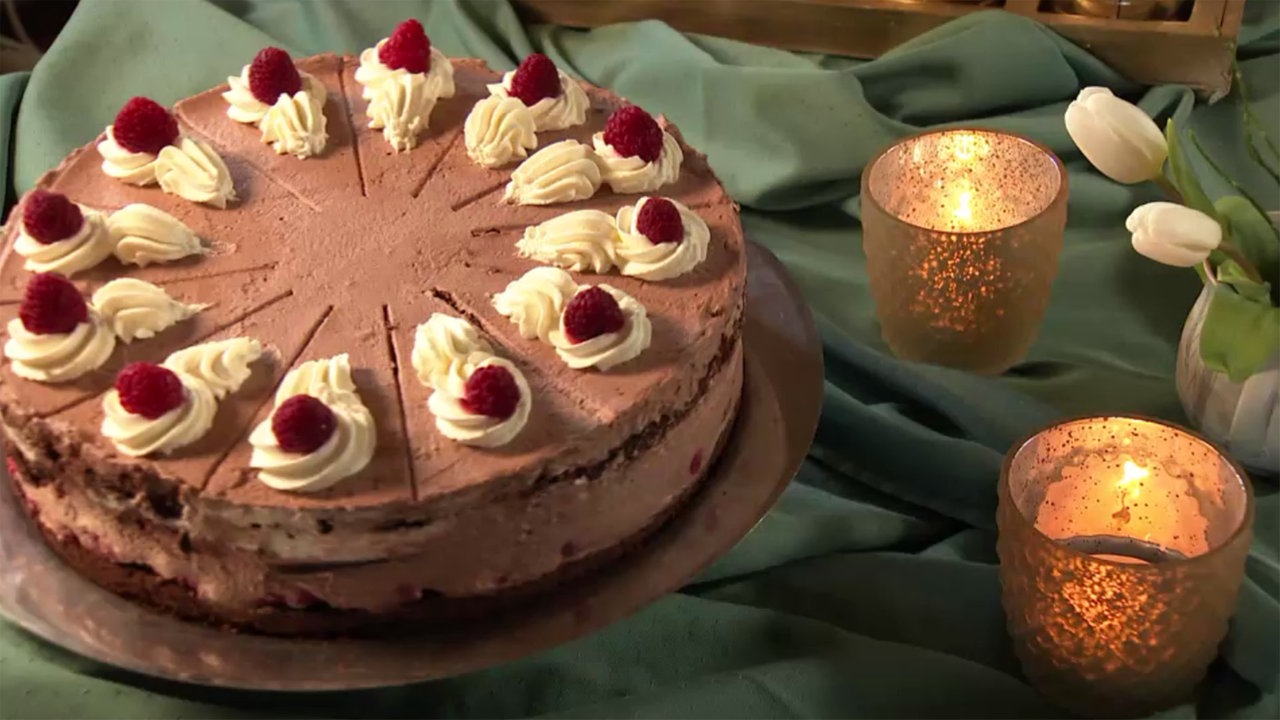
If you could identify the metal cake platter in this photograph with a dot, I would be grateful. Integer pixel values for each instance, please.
(782, 395)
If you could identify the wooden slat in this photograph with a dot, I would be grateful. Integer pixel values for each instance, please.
(1196, 51)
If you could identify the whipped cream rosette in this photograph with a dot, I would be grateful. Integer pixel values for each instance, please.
(499, 130)
(558, 173)
(142, 235)
(581, 241)
(535, 300)
(136, 309)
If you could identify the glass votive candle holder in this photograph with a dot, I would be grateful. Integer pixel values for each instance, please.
(1122, 545)
(962, 231)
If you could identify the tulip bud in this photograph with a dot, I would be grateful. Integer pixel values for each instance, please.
(1172, 234)
(1117, 137)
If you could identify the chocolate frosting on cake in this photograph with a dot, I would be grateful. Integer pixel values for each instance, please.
(347, 252)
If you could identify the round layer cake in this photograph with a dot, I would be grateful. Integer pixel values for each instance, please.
(341, 253)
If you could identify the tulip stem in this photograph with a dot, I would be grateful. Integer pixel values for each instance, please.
(1169, 189)
(1233, 253)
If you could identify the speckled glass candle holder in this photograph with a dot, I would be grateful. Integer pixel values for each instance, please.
(1122, 544)
(962, 231)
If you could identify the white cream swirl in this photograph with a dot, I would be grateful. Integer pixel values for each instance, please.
(90, 245)
(437, 80)
(192, 170)
(660, 261)
(401, 109)
(499, 130)
(457, 423)
(243, 106)
(560, 172)
(581, 241)
(441, 348)
(59, 357)
(136, 435)
(633, 175)
(344, 454)
(223, 365)
(135, 309)
(135, 168)
(535, 300)
(296, 125)
(143, 234)
(565, 110)
(610, 349)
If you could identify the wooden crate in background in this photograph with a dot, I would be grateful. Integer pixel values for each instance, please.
(1190, 42)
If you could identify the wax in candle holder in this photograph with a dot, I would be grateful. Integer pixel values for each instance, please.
(1122, 544)
(962, 230)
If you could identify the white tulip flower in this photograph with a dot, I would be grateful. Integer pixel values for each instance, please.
(1116, 136)
(1173, 234)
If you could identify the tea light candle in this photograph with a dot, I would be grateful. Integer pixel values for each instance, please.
(962, 230)
(1122, 546)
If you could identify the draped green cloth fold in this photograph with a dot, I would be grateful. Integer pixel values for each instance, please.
(871, 589)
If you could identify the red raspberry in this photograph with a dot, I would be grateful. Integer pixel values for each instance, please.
(272, 74)
(49, 217)
(149, 390)
(144, 126)
(492, 392)
(632, 132)
(660, 221)
(52, 305)
(535, 79)
(591, 313)
(302, 424)
(407, 49)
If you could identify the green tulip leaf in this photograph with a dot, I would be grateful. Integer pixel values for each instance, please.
(1230, 273)
(1252, 231)
(1239, 335)
(1184, 176)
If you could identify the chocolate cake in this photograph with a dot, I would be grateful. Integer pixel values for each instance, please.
(358, 356)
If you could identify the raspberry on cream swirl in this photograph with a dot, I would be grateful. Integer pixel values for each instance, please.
(319, 431)
(403, 77)
(140, 130)
(441, 347)
(142, 235)
(601, 327)
(56, 337)
(660, 239)
(487, 406)
(135, 309)
(152, 409)
(285, 104)
(581, 241)
(558, 173)
(57, 235)
(635, 154)
(535, 300)
(555, 100)
(134, 168)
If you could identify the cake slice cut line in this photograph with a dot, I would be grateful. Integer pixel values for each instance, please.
(454, 142)
(350, 114)
(389, 327)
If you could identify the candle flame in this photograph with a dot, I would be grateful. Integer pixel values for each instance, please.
(963, 212)
(966, 146)
(1132, 474)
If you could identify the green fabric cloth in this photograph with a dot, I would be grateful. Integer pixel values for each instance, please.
(871, 589)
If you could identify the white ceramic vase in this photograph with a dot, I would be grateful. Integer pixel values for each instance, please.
(1243, 417)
